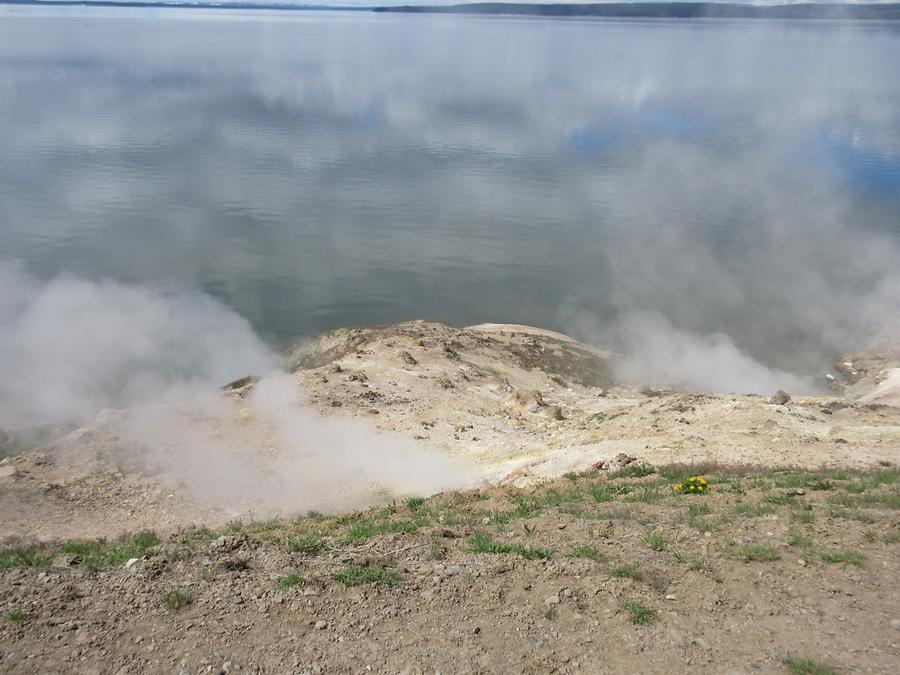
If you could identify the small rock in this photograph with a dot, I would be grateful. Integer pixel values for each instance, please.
(551, 600)
(801, 562)
(66, 560)
(895, 624)
(780, 398)
(131, 562)
(321, 625)
(671, 597)
(476, 630)
(408, 359)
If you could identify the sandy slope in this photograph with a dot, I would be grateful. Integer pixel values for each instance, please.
(511, 403)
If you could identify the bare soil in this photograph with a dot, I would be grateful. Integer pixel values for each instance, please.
(589, 573)
(574, 553)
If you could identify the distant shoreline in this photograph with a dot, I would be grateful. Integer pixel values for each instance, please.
(670, 10)
(652, 10)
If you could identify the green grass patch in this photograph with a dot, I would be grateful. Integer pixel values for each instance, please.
(698, 510)
(692, 562)
(176, 599)
(455, 516)
(779, 499)
(800, 541)
(481, 543)
(658, 582)
(628, 571)
(655, 541)
(887, 500)
(641, 615)
(192, 539)
(852, 514)
(645, 495)
(588, 552)
(99, 553)
(634, 471)
(607, 492)
(357, 575)
(696, 517)
(752, 552)
(310, 544)
(363, 529)
(289, 580)
(24, 556)
(15, 616)
(264, 526)
(414, 503)
(752, 510)
(848, 557)
(796, 665)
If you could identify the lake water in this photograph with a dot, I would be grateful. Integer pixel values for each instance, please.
(322, 169)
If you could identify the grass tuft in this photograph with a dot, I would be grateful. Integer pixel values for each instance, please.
(796, 665)
(100, 553)
(692, 562)
(849, 557)
(290, 580)
(752, 552)
(177, 599)
(414, 503)
(357, 575)
(481, 543)
(655, 541)
(641, 615)
(797, 540)
(309, 544)
(24, 556)
(588, 552)
(634, 471)
(628, 571)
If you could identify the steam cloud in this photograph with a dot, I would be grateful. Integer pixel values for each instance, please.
(72, 348)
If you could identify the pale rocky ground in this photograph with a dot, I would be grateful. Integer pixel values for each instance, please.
(767, 566)
(515, 404)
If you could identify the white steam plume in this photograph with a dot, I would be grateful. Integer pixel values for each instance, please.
(659, 354)
(72, 348)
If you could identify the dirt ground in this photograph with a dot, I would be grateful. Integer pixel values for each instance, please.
(567, 549)
(768, 572)
(515, 404)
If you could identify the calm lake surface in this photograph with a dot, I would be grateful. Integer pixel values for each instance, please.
(317, 169)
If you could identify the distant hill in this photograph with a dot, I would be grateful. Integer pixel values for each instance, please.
(668, 10)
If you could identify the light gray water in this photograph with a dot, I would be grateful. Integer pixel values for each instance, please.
(315, 170)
